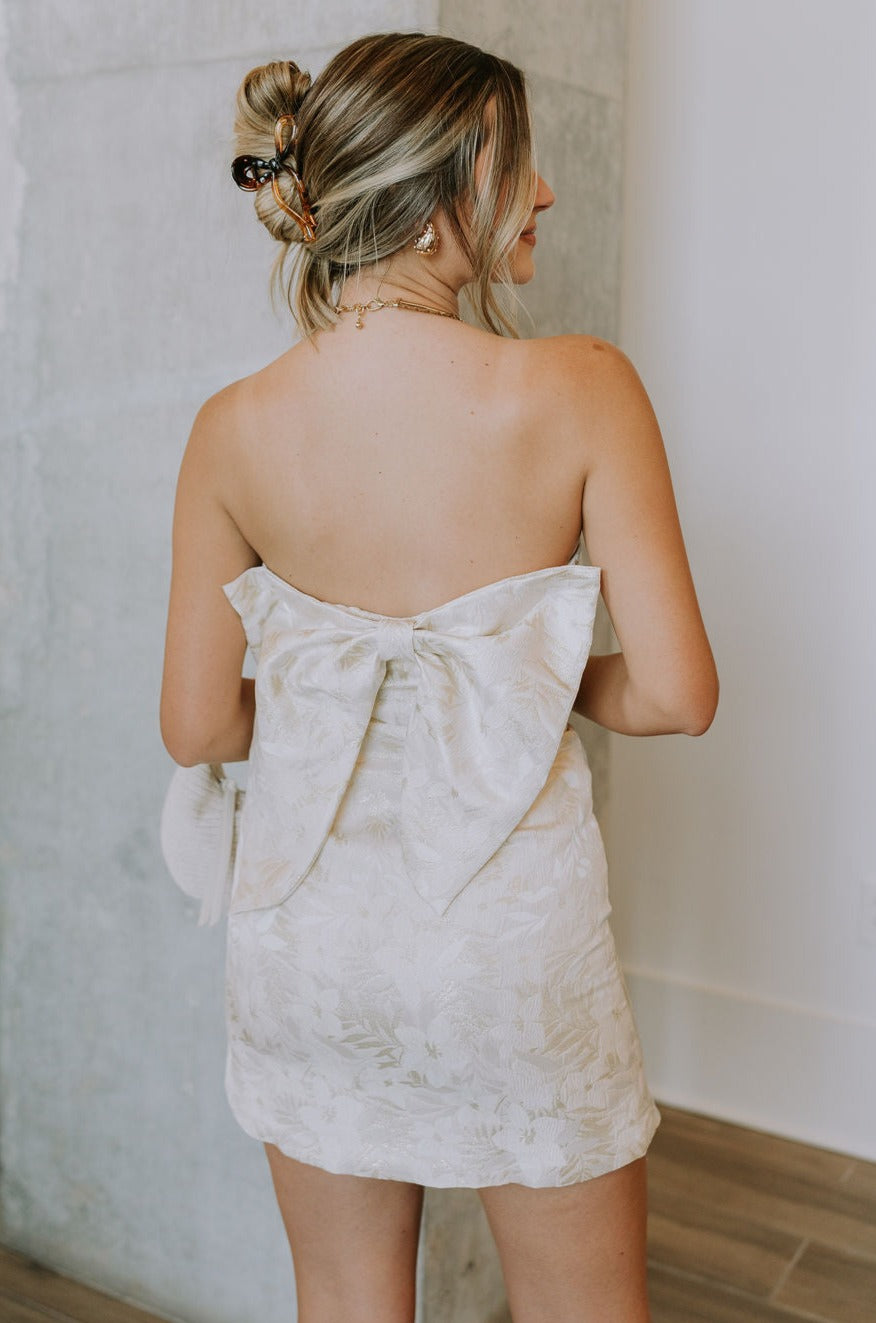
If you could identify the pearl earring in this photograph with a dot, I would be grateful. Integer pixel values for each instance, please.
(426, 242)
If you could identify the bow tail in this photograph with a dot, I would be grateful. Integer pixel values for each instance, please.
(474, 768)
(295, 788)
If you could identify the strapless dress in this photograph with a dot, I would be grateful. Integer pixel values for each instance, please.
(421, 981)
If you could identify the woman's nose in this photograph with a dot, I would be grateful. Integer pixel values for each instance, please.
(544, 197)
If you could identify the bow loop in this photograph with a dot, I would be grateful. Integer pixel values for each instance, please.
(496, 673)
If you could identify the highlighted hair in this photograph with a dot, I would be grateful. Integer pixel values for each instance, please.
(389, 131)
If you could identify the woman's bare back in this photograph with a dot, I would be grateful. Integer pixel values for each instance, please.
(400, 466)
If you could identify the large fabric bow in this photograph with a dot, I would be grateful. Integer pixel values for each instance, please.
(497, 671)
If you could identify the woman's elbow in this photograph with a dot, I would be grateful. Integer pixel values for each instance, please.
(699, 725)
(217, 733)
(687, 706)
(702, 706)
(183, 738)
(183, 750)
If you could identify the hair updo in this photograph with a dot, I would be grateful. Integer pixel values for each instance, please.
(390, 130)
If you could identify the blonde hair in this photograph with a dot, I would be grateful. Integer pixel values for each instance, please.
(390, 130)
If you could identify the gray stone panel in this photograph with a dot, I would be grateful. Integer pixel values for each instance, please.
(579, 141)
(580, 42)
(579, 147)
(23, 588)
(463, 1279)
(122, 1164)
(137, 245)
(56, 38)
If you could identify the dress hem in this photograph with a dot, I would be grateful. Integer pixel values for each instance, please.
(445, 1181)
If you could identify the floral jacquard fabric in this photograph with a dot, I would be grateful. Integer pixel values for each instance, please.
(421, 981)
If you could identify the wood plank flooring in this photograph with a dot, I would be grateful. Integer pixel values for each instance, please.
(744, 1228)
(748, 1228)
(30, 1293)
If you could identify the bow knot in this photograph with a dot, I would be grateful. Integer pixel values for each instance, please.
(394, 640)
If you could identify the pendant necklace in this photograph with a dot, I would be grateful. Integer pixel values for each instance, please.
(374, 305)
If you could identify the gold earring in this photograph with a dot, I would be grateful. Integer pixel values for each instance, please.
(426, 242)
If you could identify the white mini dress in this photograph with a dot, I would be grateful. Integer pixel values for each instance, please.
(421, 980)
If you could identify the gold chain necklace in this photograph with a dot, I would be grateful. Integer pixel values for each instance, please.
(374, 305)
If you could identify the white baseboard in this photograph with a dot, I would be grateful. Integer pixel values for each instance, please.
(773, 1067)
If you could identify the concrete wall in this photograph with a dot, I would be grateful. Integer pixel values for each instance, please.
(135, 285)
(742, 864)
(131, 275)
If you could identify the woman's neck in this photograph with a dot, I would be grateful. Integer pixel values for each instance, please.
(404, 281)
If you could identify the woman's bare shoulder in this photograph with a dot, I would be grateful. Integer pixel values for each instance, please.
(578, 359)
(232, 410)
(585, 382)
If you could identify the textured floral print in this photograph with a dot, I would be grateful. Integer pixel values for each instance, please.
(421, 980)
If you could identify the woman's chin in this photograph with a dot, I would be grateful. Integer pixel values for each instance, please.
(522, 271)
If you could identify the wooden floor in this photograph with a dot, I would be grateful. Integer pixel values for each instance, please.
(744, 1228)
(747, 1228)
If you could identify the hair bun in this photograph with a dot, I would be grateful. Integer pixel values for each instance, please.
(301, 81)
(274, 89)
(266, 94)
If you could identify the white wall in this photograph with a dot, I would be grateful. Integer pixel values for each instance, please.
(749, 307)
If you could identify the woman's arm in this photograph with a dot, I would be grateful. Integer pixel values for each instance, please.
(207, 708)
(664, 680)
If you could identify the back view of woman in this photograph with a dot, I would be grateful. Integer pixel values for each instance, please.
(422, 988)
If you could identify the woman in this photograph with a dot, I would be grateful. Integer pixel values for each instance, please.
(422, 987)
